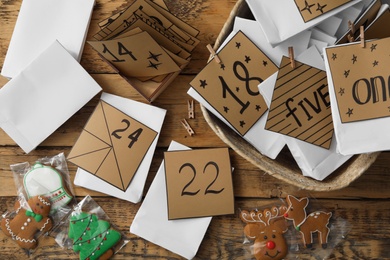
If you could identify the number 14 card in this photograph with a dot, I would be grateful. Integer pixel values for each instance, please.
(231, 87)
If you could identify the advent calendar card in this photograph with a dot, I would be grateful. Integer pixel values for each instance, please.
(231, 87)
(282, 19)
(106, 143)
(147, 45)
(199, 183)
(300, 105)
(314, 161)
(116, 146)
(375, 29)
(311, 9)
(359, 92)
(138, 55)
(181, 236)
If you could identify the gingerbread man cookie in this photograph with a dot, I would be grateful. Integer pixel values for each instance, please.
(27, 222)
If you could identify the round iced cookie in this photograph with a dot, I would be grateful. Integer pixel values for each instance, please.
(47, 181)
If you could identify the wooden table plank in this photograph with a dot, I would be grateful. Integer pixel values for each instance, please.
(363, 206)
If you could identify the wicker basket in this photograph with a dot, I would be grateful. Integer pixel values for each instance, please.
(284, 166)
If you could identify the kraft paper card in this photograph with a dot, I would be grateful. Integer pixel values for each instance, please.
(375, 29)
(180, 236)
(136, 56)
(40, 23)
(311, 9)
(281, 19)
(364, 136)
(231, 87)
(148, 117)
(300, 105)
(199, 183)
(314, 161)
(43, 96)
(106, 143)
(160, 15)
(113, 17)
(360, 79)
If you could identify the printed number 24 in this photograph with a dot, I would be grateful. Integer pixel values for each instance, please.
(208, 188)
(133, 136)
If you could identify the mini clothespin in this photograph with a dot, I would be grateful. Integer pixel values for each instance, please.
(351, 35)
(213, 53)
(291, 55)
(362, 41)
(190, 105)
(187, 127)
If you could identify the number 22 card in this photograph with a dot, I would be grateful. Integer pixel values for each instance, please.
(199, 183)
(231, 87)
(112, 145)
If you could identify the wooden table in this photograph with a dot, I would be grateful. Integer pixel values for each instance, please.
(364, 205)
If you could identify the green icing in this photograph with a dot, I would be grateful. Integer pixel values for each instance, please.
(91, 237)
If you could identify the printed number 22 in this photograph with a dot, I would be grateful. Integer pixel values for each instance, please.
(208, 188)
(133, 136)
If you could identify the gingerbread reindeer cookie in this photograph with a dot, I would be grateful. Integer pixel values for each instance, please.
(266, 229)
(308, 224)
(27, 222)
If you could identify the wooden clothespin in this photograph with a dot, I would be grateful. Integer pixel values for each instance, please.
(362, 41)
(291, 55)
(190, 105)
(350, 38)
(187, 127)
(351, 27)
(213, 53)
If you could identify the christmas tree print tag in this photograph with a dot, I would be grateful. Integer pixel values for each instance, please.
(92, 238)
(361, 79)
(300, 105)
(138, 55)
(231, 87)
(310, 9)
(112, 145)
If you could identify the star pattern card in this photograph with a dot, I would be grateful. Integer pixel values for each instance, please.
(199, 183)
(112, 145)
(310, 9)
(138, 55)
(231, 86)
(361, 79)
(300, 105)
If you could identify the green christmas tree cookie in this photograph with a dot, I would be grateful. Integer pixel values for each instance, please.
(92, 237)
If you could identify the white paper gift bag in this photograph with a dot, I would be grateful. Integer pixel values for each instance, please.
(181, 236)
(39, 23)
(150, 116)
(43, 96)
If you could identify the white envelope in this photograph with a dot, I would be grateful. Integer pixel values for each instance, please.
(180, 236)
(253, 30)
(152, 117)
(314, 161)
(43, 96)
(39, 23)
(357, 137)
(280, 19)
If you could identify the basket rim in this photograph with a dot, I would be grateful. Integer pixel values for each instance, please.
(358, 164)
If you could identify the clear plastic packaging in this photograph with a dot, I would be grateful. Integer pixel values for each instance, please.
(44, 197)
(87, 231)
(295, 229)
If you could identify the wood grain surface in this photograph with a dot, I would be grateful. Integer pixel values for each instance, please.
(360, 228)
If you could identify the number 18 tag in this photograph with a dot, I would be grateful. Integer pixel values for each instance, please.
(199, 183)
(231, 87)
